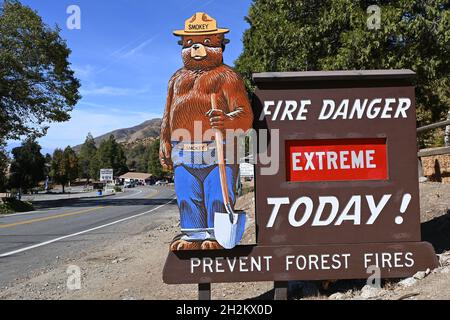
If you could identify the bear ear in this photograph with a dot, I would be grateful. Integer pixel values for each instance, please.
(180, 42)
(226, 41)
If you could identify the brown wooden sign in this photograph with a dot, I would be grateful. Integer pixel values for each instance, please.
(283, 263)
(340, 193)
(358, 147)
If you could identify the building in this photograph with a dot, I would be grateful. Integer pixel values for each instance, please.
(136, 177)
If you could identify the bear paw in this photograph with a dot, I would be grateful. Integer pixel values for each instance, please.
(211, 245)
(180, 245)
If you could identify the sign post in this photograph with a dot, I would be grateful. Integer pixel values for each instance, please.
(345, 197)
(106, 175)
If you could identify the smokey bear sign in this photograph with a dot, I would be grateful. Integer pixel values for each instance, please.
(342, 195)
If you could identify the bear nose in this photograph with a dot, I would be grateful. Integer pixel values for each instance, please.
(196, 46)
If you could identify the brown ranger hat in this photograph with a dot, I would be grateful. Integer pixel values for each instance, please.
(200, 24)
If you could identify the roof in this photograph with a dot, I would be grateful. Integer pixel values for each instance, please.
(136, 175)
(334, 75)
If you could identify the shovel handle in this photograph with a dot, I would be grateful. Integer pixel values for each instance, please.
(221, 159)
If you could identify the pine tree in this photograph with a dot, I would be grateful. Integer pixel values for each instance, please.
(64, 167)
(86, 158)
(310, 35)
(111, 155)
(154, 165)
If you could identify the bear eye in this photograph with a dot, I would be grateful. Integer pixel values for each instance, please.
(207, 41)
(189, 42)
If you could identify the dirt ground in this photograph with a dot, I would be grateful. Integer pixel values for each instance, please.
(132, 268)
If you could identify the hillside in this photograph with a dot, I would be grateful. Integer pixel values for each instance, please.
(145, 132)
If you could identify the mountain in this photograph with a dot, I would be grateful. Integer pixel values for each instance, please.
(145, 133)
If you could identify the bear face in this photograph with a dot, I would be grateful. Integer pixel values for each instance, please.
(203, 52)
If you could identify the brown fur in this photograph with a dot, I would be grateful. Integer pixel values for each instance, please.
(189, 100)
(190, 90)
(180, 245)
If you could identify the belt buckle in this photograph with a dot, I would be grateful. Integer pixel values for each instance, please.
(195, 147)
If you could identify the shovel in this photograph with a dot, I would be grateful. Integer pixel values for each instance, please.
(229, 226)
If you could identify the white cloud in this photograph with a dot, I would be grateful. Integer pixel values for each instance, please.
(139, 47)
(112, 91)
(83, 72)
(74, 131)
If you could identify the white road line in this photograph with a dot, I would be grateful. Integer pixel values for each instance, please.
(22, 213)
(82, 232)
(127, 195)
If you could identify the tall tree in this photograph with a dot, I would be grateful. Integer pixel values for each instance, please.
(4, 161)
(48, 163)
(286, 35)
(111, 156)
(27, 167)
(64, 167)
(37, 85)
(154, 165)
(58, 169)
(71, 161)
(86, 158)
(137, 157)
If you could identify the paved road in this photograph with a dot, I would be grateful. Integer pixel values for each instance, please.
(60, 228)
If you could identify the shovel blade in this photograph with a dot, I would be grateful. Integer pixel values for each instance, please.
(229, 234)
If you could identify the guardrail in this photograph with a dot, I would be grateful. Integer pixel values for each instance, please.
(434, 126)
(434, 151)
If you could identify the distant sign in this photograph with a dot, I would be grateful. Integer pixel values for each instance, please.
(106, 175)
(247, 170)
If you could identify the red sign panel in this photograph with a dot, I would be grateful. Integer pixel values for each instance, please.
(336, 160)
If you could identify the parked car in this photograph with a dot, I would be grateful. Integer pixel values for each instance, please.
(161, 183)
(129, 185)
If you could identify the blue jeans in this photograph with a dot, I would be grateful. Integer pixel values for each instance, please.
(199, 195)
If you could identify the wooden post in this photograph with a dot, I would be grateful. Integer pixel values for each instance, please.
(281, 290)
(447, 132)
(204, 291)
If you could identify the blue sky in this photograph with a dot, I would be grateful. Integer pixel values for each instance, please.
(124, 55)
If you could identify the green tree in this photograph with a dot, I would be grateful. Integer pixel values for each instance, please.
(286, 35)
(27, 167)
(48, 163)
(154, 165)
(4, 161)
(137, 157)
(86, 158)
(37, 85)
(71, 161)
(94, 167)
(111, 155)
(64, 167)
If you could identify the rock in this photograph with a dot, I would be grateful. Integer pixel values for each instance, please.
(302, 289)
(369, 292)
(444, 259)
(445, 270)
(421, 274)
(423, 179)
(337, 296)
(408, 282)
